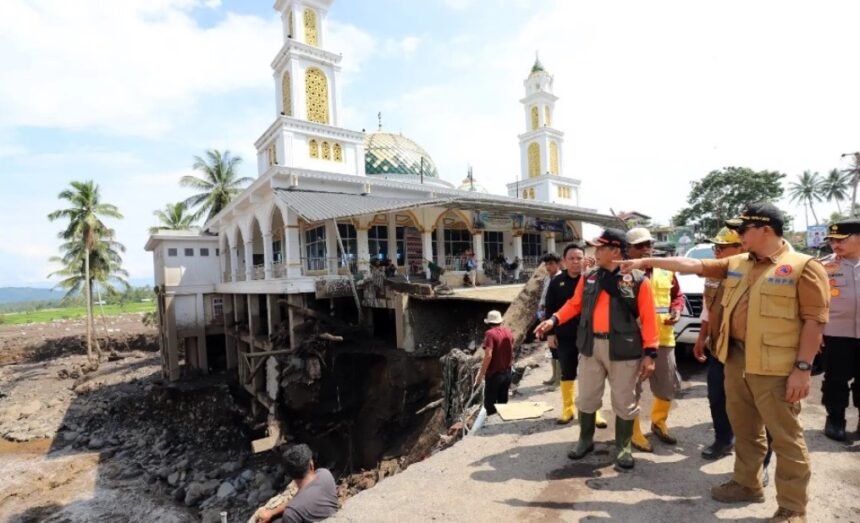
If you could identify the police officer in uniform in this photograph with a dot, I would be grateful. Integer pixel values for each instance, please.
(842, 333)
(617, 339)
(775, 305)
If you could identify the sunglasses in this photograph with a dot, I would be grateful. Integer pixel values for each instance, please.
(747, 226)
(643, 245)
(721, 248)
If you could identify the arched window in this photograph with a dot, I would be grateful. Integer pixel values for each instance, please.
(525, 193)
(338, 153)
(534, 117)
(534, 160)
(285, 94)
(316, 95)
(290, 25)
(273, 155)
(547, 116)
(326, 151)
(310, 27)
(313, 149)
(553, 158)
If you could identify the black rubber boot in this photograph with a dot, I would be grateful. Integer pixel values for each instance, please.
(623, 435)
(586, 436)
(834, 428)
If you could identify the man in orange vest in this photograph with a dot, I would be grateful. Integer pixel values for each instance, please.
(775, 305)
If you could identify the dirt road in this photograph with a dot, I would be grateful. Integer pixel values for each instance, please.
(519, 471)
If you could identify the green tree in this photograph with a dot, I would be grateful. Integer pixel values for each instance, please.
(84, 230)
(853, 172)
(218, 182)
(806, 190)
(723, 194)
(174, 216)
(834, 188)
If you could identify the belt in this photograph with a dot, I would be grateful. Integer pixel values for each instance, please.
(662, 310)
(601, 335)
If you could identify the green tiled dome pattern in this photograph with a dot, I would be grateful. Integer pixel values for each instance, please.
(387, 153)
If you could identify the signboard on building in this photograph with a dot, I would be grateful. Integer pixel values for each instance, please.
(815, 236)
(485, 220)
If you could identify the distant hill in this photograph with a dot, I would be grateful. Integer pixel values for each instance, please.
(24, 294)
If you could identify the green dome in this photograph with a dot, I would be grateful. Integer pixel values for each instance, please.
(393, 154)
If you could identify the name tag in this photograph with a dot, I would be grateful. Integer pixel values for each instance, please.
(734, 274)
(781, 281)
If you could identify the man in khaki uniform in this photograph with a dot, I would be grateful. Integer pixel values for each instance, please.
(775, 305)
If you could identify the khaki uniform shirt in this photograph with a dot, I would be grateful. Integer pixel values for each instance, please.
(812, 290)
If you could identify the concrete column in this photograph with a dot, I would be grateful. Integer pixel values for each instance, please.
(550, 242)
(518, 254)
(426, 251)
(392, 238)
(234, 262)
(222, 264)
(172, 367)
(478, 247)
(332, 258)
(363, 250)
(292, 247)
(229, 322)
(202, 356)
(249, 260)
(440, 245)
(268, 258)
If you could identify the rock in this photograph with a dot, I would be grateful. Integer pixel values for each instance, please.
(199, 490)
(247, 475)
(95, 443)
(29, 408)
(70, 436)
(226, 490)
(212, 515)
(173, 479)
(178, 494)
(230, 466)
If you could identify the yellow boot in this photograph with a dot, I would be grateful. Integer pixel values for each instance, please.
(639, 441)
(659, 415)
(600, 422)
(568, 394)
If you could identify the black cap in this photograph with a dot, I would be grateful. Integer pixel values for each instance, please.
(613, 237)
(758, 214)
(843, 229)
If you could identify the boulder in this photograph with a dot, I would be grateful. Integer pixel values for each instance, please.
(226, 490)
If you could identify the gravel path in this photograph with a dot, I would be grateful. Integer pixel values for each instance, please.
(519, 471)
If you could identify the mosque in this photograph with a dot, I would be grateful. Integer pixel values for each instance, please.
(329, 204)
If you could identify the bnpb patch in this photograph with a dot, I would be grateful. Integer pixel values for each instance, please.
(783, 270)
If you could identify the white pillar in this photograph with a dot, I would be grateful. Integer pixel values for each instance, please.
(249, 260)
(267, 255)
(222, 264)
(440, 245)
(550, 242)
(518, 254)
(426, 251)
(363, 250)
(332, 258)
(234, 262)
(478, 247)
(392, 238)
(292, 246)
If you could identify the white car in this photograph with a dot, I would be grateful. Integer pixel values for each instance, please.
(693, 287)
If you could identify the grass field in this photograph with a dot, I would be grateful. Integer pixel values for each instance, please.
(71, 313)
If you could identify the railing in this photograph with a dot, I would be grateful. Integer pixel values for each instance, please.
(455, 263)
(258, 272)
(226, 277)
(240, 274)
(279, 270)
(531, 262)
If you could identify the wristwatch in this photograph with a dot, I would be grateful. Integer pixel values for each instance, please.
(802, 365)
(651, 353)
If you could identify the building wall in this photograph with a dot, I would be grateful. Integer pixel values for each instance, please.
(183, 270)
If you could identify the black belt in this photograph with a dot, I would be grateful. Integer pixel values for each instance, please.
(601, 335)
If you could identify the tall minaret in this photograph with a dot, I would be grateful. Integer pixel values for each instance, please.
(541, 158)
(307, 101)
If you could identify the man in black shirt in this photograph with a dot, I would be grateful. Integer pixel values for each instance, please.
(563, 337)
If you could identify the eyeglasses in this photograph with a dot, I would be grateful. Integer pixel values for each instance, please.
(721, 248)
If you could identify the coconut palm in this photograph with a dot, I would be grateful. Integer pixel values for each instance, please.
(218, 182)
(85, 228)
(853, 173)
(806, 190)
(834, 187)
(174, 216)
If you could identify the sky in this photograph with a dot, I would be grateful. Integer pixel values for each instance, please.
(652, 95)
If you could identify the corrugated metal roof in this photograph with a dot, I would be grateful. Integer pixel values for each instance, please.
(317, 206)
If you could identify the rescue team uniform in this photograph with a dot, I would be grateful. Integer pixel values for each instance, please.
(764, 304)
(560, 290)
(614, 331)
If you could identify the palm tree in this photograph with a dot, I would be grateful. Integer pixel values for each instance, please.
(85, 229)
(174, 216)
(806, 190)
(219, 182)
(834, 187)
(853, 173)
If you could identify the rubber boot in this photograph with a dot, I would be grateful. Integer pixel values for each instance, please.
(639, 441)
(586, 437)
(659, 415)
(568, 394)
(556, 373)
(600, 422)
(623, 437)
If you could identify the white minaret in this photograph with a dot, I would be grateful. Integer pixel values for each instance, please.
(541, 157)
(306, 132)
